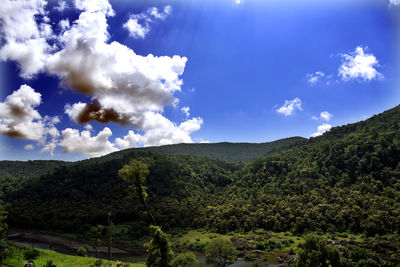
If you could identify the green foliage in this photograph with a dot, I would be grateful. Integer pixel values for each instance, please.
(50, 264)
(223, 250)
(135, 173)
(4, 249)
(159, 253)
(31, 254)
(82, 251)
(183, 259)
(316, 252)
(230, 152)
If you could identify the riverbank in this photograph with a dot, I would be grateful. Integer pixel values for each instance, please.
(59, 259)
(72, 244)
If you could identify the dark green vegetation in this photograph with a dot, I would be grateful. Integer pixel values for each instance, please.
(231, 152)
(347, 180)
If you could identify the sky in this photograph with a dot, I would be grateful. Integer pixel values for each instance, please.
(84, 78)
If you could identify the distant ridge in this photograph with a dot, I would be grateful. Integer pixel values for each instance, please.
(231, 152)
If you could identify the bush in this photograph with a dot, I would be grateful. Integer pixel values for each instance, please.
(50, 264)
(31, 254)
(82, 251)
(183, 259)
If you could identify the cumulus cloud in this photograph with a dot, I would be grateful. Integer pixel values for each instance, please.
(290, 106)
(123, 87)
(359, 65)
(74, 141)
(322, 129)
(25, 39)
(138, 25)
(20, 119)
(394, 2)
(161, 131)
(186, 111)
(18, 116)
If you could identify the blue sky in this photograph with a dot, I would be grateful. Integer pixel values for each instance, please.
(248, 71)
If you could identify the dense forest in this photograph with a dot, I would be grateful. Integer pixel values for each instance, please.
(344, 181)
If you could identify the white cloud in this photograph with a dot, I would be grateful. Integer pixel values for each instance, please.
(18, 116)
(325, 115)
(322, 129)
(359, 65)
(135, 29)
(138, 25)
(290, 106)
(313, 78)
(62, 5)
(64, 24)
(160, 15)
(186, 111)
(124, 87)
(130, 140)
(74, 141)
(394, 2)
(20, 119)
(29, 147)
(25, 40)
(160, 131)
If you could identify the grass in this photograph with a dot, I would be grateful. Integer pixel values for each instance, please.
(61, 260)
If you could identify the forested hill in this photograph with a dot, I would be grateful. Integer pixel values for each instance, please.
(28, 169)
(231, 152)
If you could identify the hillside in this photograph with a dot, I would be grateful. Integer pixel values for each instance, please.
(345, 180)
(231, 152)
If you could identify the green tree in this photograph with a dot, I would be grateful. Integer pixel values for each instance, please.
(183, 259)
(31, 254)
(98, 231)
(158, 249)
(136, 173)
(223, 250)
(316, 252)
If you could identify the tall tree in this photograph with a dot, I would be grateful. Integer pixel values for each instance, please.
(98, 231)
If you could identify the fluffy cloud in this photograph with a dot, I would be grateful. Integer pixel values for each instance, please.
(74, 141)
(359, 65)
(25, 39)
(290, 106)
(129, 140)
(322, 129)
(394, 2)
(161, 131)
(313, 78)
(325, 115)
(20, 119)
(138, 25)
(18, 116)
(124, 87)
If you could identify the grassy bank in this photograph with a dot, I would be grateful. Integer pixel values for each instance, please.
(60, 260)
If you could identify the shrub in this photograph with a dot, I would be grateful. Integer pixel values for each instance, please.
(82, 251)
(50, 264)
(31, 254)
